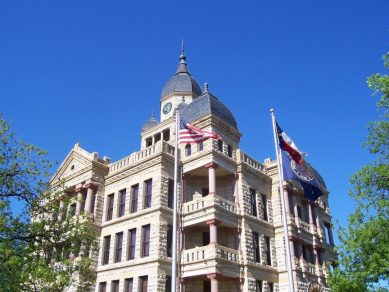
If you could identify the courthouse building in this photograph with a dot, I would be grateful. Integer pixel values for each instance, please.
(231, 236)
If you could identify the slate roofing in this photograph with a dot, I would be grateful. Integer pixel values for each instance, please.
(182, 80)
(206, 104)
(151, 122)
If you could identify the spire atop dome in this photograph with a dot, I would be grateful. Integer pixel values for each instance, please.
(182, 68)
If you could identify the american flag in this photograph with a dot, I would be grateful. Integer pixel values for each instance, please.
(191, 134)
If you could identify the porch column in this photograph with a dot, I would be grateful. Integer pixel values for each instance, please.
(213, 230)
(286, 199)
(310, 215)
(211, 177)
(89, 197)
(79, 200)
(214, 277)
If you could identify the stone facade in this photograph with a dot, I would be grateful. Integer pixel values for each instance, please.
(230, 234)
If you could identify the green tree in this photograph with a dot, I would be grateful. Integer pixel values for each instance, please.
(364, 243)
(41, 249)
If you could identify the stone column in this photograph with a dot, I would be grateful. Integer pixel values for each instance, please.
(310, 215)
(79, 200)
(89, 197)
(214, 277)
(211, 177)
(317, 218)
(316, 251)
(236, 189)
(295, 211)
(286, 199)
(213, 230)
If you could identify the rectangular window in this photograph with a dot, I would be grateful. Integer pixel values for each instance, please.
(296, 249)
(204, 192)
(115, 286)
(109, 206)
(119, 247)
(206, 238)
(83, 200)
(253, 202)
(103, 287)
(143, 283)
(128, 284)
(200, 146)
(271, 287)
(299, 213)
(148, 193)
(169, 241)
(122, 203)
(170, 193)
(207, 286)
(268, 250)
(257, 257)
(258, 285)
(168, 284)
(131, 244)
(146, 241)
(106, 246)
(134, 198)
(264, 208)
(304, 250)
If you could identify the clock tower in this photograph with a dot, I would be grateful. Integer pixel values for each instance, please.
(180, 88)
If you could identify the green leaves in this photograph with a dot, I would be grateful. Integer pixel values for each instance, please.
(364, 242)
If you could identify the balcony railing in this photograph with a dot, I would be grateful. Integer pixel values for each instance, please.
(246, 159)
(209, 252)
(209, 201)
(157, 148)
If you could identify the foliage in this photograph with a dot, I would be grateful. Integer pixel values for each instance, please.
(364, 243)
(38, 241)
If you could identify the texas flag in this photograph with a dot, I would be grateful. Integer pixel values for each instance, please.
(286, 144)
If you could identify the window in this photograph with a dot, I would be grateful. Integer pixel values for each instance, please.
(328, 235)
(319, 255)
(134, 198)
(299, 213)
(313, 215)
(220, 145)
(143, 284)
(207, 286)
(268, 250)
(304, 250)
(83, 200)
(200, 146)
(131, 244)
(168, 284)
(229, 150)
(115, 286)
(205, 191)
(157, 137)
(146, 241)
(188, 150)
(257, 257)
(258, 286)
(109, 206)
(149, 142)
(169, 241)
(103, 287)
(271, 287)
(122, 202)
(170, 193)
(253, 202)
(264, 208)
(118, 247)
(128, 283)
(106, 246)
(206, 238)
(72, 210)
(296, 249)
(148, 190)
(166, 135)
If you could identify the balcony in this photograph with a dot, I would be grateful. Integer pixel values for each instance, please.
(212, 258)
(201, 209)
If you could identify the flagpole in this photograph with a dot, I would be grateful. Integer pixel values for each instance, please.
(284, 217)
(174, 247)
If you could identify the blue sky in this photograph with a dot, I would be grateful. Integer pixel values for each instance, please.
(92, 72)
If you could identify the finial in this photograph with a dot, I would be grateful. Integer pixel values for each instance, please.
(206, 88)
(182, 56)
(152, 113)
(272, 110)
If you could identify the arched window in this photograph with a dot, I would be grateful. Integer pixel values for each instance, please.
(229, 149)
(220, 145)
(188, 150)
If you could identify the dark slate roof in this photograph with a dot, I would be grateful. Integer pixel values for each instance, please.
(151, 122)
(181, 81)
(204, 105)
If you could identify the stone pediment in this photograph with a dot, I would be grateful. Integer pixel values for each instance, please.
(76, 161)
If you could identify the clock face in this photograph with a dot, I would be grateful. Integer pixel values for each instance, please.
(167, 107)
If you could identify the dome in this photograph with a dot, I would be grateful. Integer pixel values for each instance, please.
(208, 104)
(181, 81)
(151, 122)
